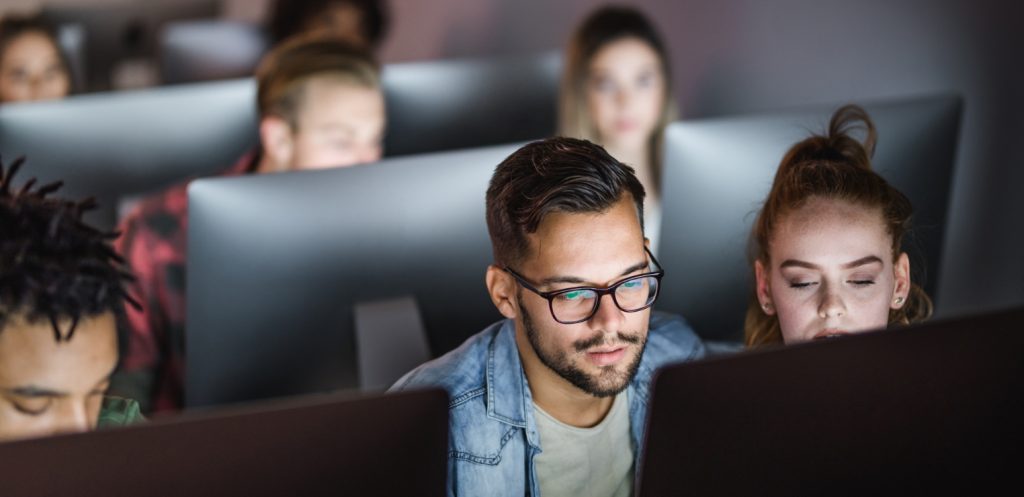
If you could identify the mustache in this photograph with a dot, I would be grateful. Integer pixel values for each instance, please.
(599, 339)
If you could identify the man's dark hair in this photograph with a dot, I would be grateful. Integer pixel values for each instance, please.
(553, 175)
(289, 17)
(53, 266)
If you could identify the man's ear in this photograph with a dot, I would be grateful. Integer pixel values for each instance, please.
(502, 288)
(278, 144)
(764, 289)
(901, 285)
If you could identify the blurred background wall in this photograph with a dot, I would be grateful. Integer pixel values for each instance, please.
(734, 56)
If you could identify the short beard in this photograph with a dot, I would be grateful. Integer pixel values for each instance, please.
(561, 365)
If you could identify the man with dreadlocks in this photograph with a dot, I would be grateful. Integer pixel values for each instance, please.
(62, 291)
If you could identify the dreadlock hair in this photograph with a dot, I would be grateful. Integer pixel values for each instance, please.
(832, 166)
(53, 266)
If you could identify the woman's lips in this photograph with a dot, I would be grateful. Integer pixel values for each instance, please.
(830, 333)
(626, 126)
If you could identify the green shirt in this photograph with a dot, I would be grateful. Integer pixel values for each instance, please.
(117, 411)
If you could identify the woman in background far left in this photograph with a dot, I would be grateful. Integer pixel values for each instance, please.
(32, 66)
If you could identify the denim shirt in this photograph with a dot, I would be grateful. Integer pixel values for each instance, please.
(493, 437)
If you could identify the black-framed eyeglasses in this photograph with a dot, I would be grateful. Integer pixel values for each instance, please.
(580, 303)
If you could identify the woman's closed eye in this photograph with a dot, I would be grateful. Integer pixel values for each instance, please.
(802, 284)
(861, 279)
(32, 406)
(18, 75)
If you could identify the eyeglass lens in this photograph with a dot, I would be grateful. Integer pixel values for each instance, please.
(630, 295)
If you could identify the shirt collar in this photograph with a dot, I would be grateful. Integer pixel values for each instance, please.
(507, 392)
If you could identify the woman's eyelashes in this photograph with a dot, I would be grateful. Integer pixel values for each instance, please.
(33, 407)
(862, 279)
(857, 282)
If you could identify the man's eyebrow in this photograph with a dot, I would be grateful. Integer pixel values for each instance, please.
(575, 279)
(561, 279)
(635, 267)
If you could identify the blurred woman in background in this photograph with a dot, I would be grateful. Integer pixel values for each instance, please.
(617, 91)
(32, 67)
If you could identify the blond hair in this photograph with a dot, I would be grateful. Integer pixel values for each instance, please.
(282, 74)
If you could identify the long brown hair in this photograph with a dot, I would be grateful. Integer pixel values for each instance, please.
(602, 27)
(833, 166)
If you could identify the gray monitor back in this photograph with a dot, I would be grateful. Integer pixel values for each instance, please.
(117, 31)
(113, 145)
(431, 105)
(210, 49)
(71, 38)
(276, 264)
(718, 172)
(464, 103)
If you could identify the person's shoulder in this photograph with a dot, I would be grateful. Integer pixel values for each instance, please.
(119, 411)
(160, 215)
(460, 371)
(671, 339)
(164, 211)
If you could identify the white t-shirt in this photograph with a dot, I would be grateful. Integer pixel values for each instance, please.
(595, 461)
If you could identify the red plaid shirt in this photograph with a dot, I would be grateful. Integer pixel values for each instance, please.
(153, 241)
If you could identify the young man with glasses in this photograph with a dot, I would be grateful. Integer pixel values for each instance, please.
(553, 399)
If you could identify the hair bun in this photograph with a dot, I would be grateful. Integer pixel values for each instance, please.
(836, 150)
(847, 120)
